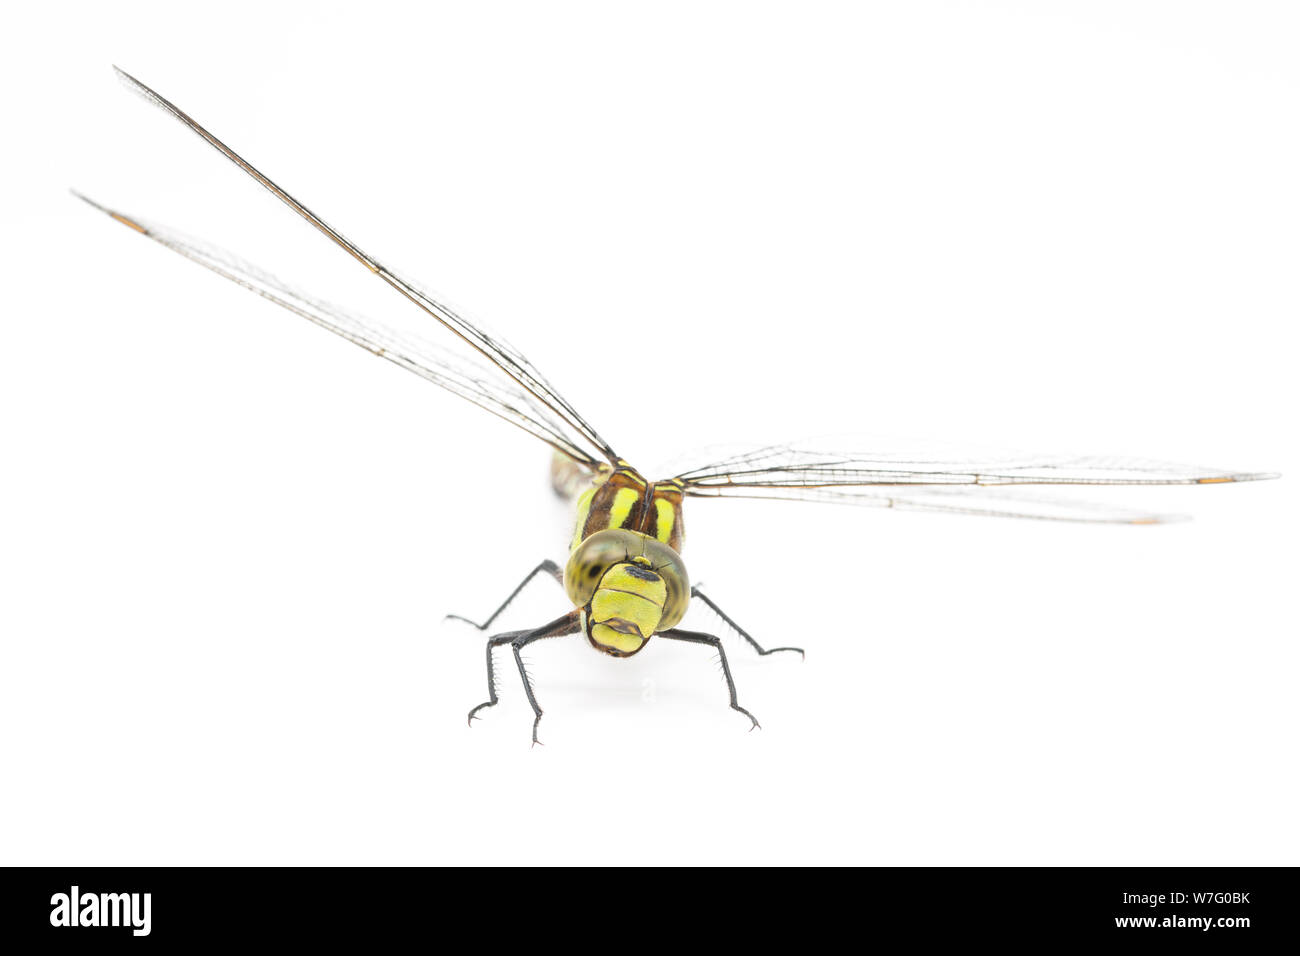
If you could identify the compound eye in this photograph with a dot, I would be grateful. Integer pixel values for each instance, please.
(668, 565)
(604, 549)
(593, 557)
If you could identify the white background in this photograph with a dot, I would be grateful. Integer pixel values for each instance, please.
(228, 538)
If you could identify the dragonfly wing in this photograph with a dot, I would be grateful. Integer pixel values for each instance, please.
(471, 379)
(507, 359)
(944, 478)
(988, 502)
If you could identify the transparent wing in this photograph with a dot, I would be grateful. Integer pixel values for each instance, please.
(462, 375)
(945, 478)
(508, 360)
(988, 502)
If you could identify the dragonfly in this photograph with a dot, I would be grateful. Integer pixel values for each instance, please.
(624, 578)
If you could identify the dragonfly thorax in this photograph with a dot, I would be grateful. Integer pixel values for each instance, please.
(621, 498)
(629, 586)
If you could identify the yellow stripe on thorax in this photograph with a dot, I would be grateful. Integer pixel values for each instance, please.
(625, 500)
(665, 514)
(584, 508)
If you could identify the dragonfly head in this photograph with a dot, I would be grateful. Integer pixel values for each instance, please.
(630, 587)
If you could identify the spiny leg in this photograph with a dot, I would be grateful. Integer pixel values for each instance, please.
(492, 644)
(517, 646)
(549, 566)
(695, 637)
(570, 623)
(696, 592)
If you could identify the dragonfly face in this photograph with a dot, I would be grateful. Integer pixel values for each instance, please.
(628, 586)
(625, 574)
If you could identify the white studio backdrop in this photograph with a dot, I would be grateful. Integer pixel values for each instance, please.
(229, 538)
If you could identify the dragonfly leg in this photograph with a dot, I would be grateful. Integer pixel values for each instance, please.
(570, 623)
(696, 592)
(492, 644)
(695, 637)
(550, 567)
